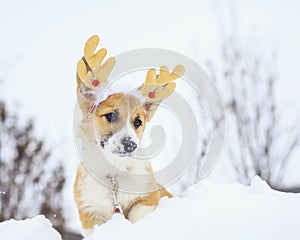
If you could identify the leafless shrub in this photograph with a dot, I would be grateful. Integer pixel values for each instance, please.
(257, 141)
(29, 183)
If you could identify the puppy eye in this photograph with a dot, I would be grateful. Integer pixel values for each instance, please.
(112, 117)
(137, 122)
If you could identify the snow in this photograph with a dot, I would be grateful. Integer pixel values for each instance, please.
(108, 89)
(30, 229)
(205, 211)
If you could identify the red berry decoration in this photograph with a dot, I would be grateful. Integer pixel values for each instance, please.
(95, 83)
(117, 210)
(151, 94)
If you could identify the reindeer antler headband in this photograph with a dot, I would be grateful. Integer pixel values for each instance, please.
(94, 74)
(158, 87)
(89, 69)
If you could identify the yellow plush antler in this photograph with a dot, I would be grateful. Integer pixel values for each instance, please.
(158, 87)
(89, 69)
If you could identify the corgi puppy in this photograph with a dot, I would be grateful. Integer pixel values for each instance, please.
(115, 125)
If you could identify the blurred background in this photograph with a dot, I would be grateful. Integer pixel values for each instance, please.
(249, 48)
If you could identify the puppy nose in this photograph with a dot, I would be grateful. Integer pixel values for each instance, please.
(129, 145)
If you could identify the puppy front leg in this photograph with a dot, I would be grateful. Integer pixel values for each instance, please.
(139, 211)
(88, 221)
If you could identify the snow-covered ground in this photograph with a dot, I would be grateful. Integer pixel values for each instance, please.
(36, 228)
(205, 211)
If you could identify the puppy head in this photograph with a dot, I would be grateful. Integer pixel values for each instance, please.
(119, 123)
(119, 119)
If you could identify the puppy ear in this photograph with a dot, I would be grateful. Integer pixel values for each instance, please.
(85, 96)
(150, 109)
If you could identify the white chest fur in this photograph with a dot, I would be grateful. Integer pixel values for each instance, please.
(96, 197)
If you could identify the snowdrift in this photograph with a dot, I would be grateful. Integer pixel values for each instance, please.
(215, 212)
(205, 211)
(37, 228)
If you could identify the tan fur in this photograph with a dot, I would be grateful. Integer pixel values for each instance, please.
(89, 206)
(119, 102)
